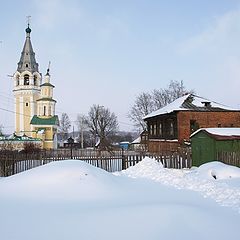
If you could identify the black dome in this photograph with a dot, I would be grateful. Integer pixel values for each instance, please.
(28, 30)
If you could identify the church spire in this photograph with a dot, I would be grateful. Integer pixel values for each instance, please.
(27, 61)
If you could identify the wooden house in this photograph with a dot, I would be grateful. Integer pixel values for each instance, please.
(208, 144)
(171, 126)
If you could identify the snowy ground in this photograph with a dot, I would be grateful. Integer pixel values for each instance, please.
(73, 200)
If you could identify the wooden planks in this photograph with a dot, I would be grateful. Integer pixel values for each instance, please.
(16, 162)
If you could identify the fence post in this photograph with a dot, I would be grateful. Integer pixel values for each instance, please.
(123, 160)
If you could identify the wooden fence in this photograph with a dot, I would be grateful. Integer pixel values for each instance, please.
(15, 162)
(231, 158)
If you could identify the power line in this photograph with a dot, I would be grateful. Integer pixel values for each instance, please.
(6, 110)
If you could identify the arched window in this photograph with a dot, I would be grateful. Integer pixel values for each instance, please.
(26, 79)
(35, 80)
(17, 80)
(44, 110)
(27, 65)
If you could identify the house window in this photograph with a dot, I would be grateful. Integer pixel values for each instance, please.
(171, 129)
(194, 126)
(219, 125)
(26, 79)
(151, 129)
(155, 129)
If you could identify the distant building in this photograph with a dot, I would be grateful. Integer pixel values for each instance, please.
(140, 143)
(171, 126)
(124, 145)
(136, 144)
(34, 104)
(15, 142)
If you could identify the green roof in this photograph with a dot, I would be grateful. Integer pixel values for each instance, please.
(47, 99)
(44, 121)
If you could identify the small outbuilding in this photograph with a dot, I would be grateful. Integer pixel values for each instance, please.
(124, 145)
(207, 143)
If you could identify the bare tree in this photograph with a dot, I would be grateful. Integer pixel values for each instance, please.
(6, 146)
(101, 122)
(1, 129)
(145, 103)
(30, 147)
(82, 129)
(160, 98)
(175, 89)
(65, 125)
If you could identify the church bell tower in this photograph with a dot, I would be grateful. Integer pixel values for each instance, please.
(27, 81)
(34, 104)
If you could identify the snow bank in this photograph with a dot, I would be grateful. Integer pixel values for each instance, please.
(60, 180)
(207, 179)
(218, 170)
(74, 200)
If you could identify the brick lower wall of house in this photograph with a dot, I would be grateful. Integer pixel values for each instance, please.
(205, 120)
(162, 146)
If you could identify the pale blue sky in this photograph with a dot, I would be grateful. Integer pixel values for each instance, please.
(107, 52)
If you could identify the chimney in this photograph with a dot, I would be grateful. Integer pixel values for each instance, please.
(207, 104)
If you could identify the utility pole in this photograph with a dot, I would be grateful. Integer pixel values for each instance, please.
(81, 133)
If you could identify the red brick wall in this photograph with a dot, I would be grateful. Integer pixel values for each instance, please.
(205, 120)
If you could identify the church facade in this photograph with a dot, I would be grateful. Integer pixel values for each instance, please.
(34, 104)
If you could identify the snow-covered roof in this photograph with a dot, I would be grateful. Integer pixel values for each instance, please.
(18, 138)
(190, 102)
(224, 132)
(136, 141)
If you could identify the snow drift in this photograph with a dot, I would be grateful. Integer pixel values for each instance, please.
(74, 200)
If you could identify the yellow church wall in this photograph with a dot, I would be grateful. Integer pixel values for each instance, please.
(47, 136)
(17, 116)
(25, 108)
(27, 115)
(48, 144)
(35, 97)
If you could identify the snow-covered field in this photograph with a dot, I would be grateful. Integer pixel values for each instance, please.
(73, 200)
